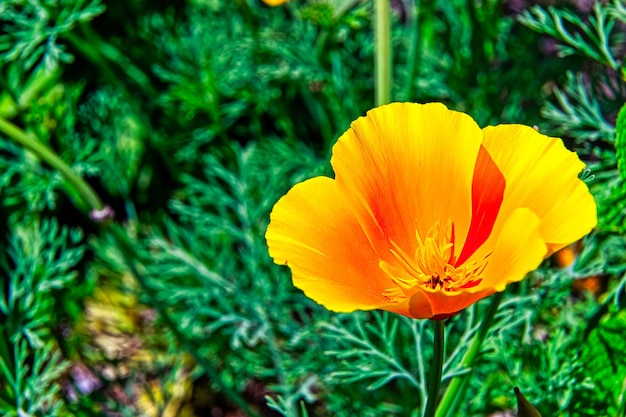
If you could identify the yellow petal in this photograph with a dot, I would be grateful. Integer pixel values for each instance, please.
(542, 175)
(406, 167)
(519, 248)
(313, 231)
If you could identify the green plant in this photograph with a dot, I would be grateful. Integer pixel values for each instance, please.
(190, 119)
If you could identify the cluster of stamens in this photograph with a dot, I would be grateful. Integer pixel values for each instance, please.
(432, 266)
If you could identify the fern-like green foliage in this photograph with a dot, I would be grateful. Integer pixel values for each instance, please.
(32, 29)
(606, 366)
(40, 260)
(207, 268)
(578, 114)
(592, 38)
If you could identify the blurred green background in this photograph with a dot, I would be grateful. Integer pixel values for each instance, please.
(191, 118)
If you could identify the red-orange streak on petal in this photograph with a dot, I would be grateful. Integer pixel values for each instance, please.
(487, 192)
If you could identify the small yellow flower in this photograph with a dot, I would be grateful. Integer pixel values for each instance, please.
(428, 213)
(274, 3)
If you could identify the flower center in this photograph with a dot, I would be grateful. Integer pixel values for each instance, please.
(432, 266)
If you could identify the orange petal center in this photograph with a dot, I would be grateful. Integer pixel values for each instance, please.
(432, 266)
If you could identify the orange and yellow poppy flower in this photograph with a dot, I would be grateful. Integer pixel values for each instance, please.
(428, 213)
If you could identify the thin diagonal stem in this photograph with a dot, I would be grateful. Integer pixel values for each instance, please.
(87, 194)
(436, 369)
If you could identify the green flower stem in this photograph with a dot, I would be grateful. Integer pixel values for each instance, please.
(382, 68)
(86, 193)
(451, 395)
(436, 369)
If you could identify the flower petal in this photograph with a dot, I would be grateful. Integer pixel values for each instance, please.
(542, 175)
(519, 249)
(425, 305)
(406, 167)
(312, 230)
